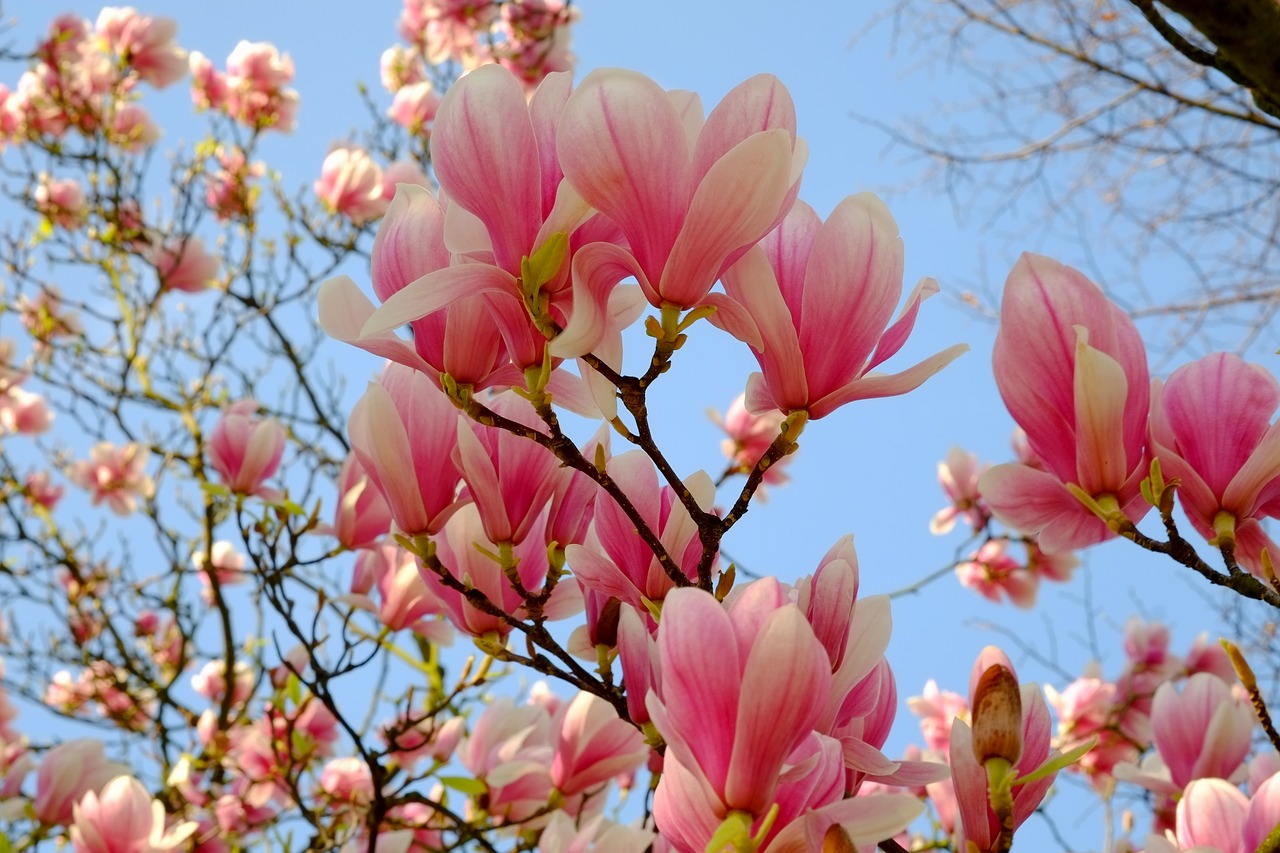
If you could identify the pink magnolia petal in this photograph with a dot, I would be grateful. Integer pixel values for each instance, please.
(485, 156)
(733, 318)
(758, 399)
(619, 144)
(1101, 392)
(601, 574)
(867, 820)
(1261, 470)
(896, 335)
(482, 482)
(757, 104)
(751, 283)
(566, 600)
(734, 206)
(1036, 502)
(1035, 355)
(865, 758)
(379, 437)
(852, 284)
(343, 312)
(435, 291)
(597, 269)
(912, 774)
(869, 633)
(701, 679)
(1263, 815)
(1212, 814)
(572, 393)
(410, 241)
(465, 234)
(786, 679)
(686, 807)
(878, 385)
(1242, 398)
(688, 106)
(545, 108)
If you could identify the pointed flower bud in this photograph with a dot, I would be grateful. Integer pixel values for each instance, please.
(997, 716)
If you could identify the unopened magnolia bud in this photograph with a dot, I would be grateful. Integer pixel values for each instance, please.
(837, 840)
(997, 716)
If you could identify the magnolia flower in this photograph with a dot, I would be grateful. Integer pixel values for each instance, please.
(116, 475)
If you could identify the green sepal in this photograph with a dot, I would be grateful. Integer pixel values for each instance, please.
(1053, 765)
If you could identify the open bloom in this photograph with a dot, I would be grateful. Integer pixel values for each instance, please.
(1073, 373)
(689, 196)
(117, 475)
(743, 688)
(750, 436)
(819, 296)
(61, 201)
(125, 819)
(1210, 428)
(1202, 731)
(67, 772)
(958, 475)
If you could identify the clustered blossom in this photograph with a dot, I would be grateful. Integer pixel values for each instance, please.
(47, 319)
(530, 38)
(1119, 714)
(229, 189)
(766, 706)
(994, 573)
(61, 201)
(504, 518)
(749, 438)
(84, 78)
(1099, 441)
(253, 91)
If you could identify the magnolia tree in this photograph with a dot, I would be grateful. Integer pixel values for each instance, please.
(251, 623)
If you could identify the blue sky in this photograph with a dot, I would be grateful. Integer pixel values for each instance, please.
(867, 469)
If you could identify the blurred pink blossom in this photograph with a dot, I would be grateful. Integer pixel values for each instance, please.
(144, 43)
(350, 185)
(61, 201)
(184, 264)
(115, 474)
(246, 449)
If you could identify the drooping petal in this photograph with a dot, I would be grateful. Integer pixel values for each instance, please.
(597, 269)
(896, 335)
(1037, 502)
(435, 291)
(875, 385)
(343, 312)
